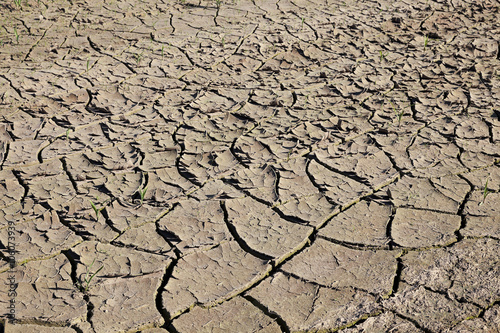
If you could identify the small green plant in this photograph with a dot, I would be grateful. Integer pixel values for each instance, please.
(138, 58)
(88, 64)
(18, 3)
(426, 41)
(17, 35)
(383, 55)
(218, 3)
(142, 193)
(302, 24)
(399, 114)
(162, 51)
(88, 279)
(486, 191)
(223, 40)
(96, 210)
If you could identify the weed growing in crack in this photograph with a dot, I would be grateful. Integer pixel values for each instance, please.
(486, 191)
(88, 64)
(138, 58)
(162, 51)
(399, 114)
(218, 3)
(426, 41)
(88, 279)
(96, 210)
(142, 193)
(383, 55)
(17, 35)
(302, 23)
(17, 3)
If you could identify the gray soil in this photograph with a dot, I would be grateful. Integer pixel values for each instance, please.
(250, 166)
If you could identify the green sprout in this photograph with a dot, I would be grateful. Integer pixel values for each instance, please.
(218, 3)
(138, 58)
(426, 41)
(96, 210)
(18, 3)
(383, 55)
(142, 193)
(302, 24)
(398, 114)
(16, 34)
(88, 64)
(88, 279)
(223, 40)
(162, 51)
(486, 191)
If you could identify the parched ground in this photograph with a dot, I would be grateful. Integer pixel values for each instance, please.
(250, 166)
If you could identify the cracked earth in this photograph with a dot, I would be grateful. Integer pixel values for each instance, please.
(250, 166)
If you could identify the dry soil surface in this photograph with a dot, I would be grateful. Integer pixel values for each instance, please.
(250, 166)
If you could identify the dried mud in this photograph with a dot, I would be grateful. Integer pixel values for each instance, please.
(250, 166)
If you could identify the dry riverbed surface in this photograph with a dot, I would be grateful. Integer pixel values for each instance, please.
(249, 166)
